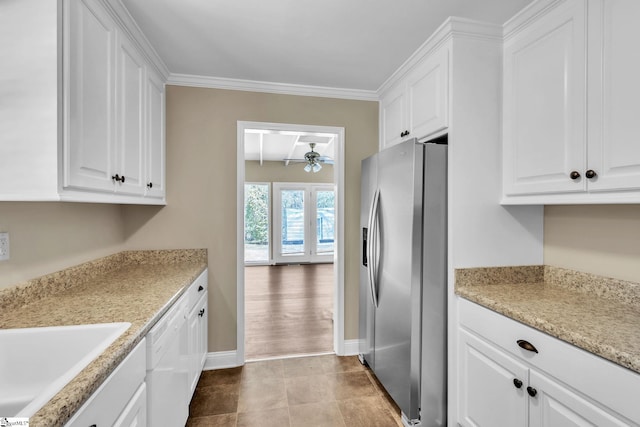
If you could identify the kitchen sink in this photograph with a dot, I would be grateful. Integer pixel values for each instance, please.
(36, 363)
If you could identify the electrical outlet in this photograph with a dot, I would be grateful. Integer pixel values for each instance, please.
(4, 246)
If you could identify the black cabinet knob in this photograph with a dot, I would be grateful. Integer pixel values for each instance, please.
(517, 383)
(115, 177)
(590, 174)
(527, 346)
(532, 391)
(122, 179)
(201, 313)
(200, 288)
(150, 185)
(574, 175)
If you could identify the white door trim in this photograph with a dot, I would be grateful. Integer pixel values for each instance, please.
(338, 260)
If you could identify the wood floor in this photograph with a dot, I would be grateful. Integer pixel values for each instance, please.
(288, 310)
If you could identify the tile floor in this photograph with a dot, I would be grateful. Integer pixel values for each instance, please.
(315, 391)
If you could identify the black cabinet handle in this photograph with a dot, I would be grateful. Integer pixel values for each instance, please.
(517, 383)
(150, 185)
(201, 313)
(200, 288)
(532, 391)
(527, 346)
(574, 175)
(117, 178)
(590, 174)
(404, 133)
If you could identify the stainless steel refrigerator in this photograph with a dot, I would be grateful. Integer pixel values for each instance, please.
(403, 276)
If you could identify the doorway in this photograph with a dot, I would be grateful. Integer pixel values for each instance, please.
(309, 224)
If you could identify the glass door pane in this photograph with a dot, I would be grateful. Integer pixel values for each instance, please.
(292, 236)
(325, 221)
(256, 223)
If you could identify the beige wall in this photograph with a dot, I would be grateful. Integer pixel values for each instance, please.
(599, 239)
(278, 172)
(201, 185)
(47, 237)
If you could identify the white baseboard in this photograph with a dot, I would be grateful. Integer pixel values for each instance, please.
(221, 360)
(229, 359)
(351, 347)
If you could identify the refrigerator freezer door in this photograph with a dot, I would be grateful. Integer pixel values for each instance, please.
(366, 315)
(399, 274)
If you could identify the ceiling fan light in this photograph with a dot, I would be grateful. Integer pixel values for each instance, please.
(307, 168)
(316, 167)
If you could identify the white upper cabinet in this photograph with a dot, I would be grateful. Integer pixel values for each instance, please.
(155, 154)
(569, 111)
(92, 130)
(614, 90)
(90, 83)
(416, 106)
(544, 103)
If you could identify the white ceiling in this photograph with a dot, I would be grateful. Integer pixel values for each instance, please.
(347, 44)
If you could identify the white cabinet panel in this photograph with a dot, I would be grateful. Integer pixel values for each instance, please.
(487, 378)
(417, 105)
(614, 119)
(116, 392)
(135, 414)
(90, 113)
(557, 406)
(427, 90)
(155, 157)
(130, 139)
(392, 116)
(545, 104)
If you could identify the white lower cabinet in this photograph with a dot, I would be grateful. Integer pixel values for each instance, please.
(120, 400)
(502, 384)
(135, 414)
(197, 319)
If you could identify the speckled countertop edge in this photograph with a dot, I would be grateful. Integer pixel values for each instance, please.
(597, 314)
(132, 286)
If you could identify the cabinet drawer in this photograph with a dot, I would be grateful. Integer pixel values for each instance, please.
(105, 405)
(601, 380)
(197, 288)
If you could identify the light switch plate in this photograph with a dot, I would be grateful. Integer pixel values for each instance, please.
(4, 246)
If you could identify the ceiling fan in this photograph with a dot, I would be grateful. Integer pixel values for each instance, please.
(313, 159)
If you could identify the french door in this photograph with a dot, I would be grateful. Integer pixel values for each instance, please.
(303, 222)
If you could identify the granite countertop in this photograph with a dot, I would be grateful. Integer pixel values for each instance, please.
(595, 313)
(133, 286)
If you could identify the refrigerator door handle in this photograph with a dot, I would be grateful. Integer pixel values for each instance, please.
(372, 247)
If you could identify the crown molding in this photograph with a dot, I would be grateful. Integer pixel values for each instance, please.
(271, 87)
(126, 22)
(532, 12)
(452, 27)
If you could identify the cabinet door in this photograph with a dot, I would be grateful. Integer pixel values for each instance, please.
(393, 116)
(130, 137)
(427, 92)
(89, 81)
(135, 413)
(614, 111)
(155, 155)
(544, 108)
(556, 406)
(487, 392)
(197, 340)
